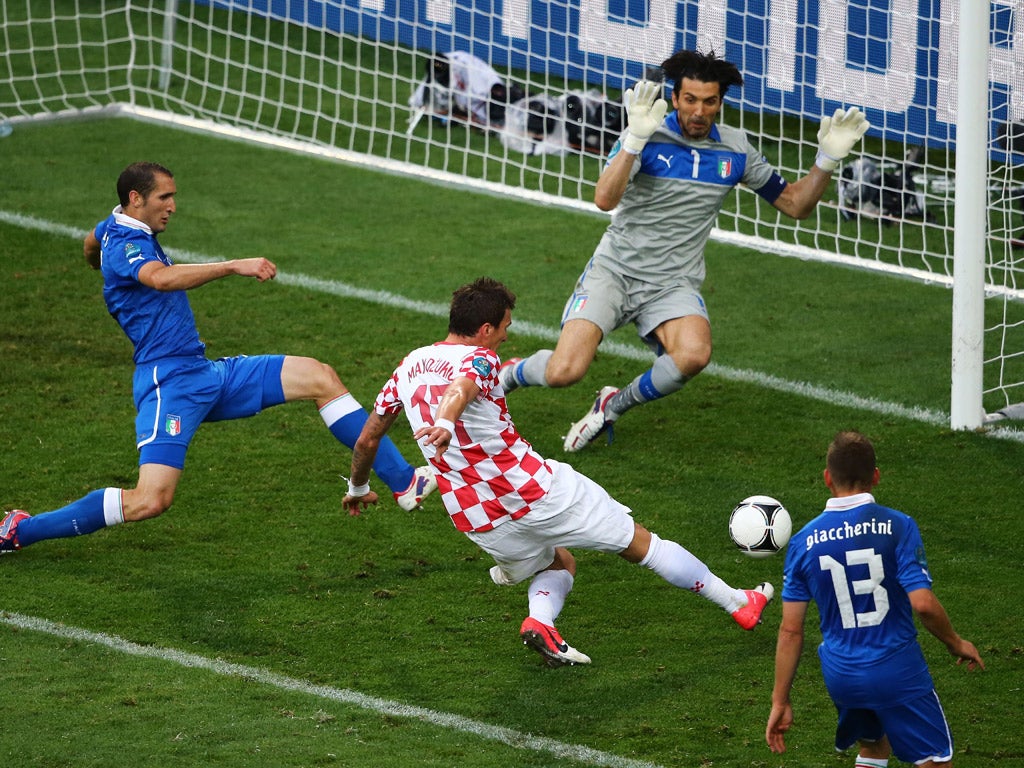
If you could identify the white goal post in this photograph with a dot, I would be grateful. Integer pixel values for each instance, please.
(338, 78)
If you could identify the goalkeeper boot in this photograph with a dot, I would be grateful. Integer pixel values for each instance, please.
(423, 484)
(9, 530)
(507, 374)
(749, 616)
(597, 421)
(548, 643)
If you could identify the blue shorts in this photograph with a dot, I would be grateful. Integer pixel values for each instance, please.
(917, 729)
(174, 396)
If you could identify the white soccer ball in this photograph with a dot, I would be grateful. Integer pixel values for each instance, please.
(760, 526)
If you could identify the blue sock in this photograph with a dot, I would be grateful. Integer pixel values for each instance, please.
(76, 519)
(345, 418)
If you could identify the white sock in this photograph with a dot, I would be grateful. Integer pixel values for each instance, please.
(339, 408)
(547, 594)
(113, 510)
(871, 762)
(682, 569)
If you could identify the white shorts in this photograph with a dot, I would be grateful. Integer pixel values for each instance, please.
(577, 512)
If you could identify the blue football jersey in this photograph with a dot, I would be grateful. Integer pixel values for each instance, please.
(159, 323)
(858, 561)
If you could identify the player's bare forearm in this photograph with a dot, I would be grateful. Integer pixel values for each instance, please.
(934, 618)
(799, 199)
(612, 183)
(787, 658)
(363, 455)
(91, 250)
(457, 396)
(365, 449)
(788, 648)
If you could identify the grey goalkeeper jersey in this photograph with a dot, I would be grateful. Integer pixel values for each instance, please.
(676, 190)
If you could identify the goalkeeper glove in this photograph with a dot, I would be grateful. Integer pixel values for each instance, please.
(837, 136)
(645, 110)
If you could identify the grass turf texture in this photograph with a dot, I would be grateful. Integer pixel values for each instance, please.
(256, 564)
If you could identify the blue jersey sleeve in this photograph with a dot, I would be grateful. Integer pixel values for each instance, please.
(912, 563)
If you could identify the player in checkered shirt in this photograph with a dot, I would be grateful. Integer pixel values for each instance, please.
(518, 507)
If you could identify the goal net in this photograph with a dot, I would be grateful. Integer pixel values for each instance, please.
(523, 98)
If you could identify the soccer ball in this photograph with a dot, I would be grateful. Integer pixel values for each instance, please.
(760, 526)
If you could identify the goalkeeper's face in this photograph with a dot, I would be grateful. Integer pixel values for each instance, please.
(697, 104)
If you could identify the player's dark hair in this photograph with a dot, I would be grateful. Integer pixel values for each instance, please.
(705, 67)
(851, 461)
(478, 303)
(140, 177)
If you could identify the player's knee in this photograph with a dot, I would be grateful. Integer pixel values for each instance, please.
(692, 360)
(322, 379)
(562, 372)
(564, 560)
(146, 506)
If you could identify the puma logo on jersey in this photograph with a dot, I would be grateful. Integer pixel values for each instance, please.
(667, 160)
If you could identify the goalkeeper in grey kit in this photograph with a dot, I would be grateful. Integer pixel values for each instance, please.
(666, 179)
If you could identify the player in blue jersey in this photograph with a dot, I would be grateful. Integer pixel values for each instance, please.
(176, 387)
(666, 179)
(864, 566)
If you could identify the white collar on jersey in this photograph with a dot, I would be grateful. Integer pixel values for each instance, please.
(848, 502)
(125, 220)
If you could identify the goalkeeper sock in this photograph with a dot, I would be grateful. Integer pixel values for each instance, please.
(661, 379)
(345, 417)
(680, 568)
(529, 372)
(87, 515)
(547, 594)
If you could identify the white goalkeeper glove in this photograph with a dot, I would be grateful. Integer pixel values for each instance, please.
(837, 136)
(646, 109)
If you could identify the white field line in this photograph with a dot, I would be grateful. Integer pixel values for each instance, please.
(550, 334)
(507, 736)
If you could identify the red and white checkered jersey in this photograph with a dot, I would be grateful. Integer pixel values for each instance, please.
(489, 473)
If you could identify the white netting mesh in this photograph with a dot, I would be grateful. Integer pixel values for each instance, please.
(338, 76)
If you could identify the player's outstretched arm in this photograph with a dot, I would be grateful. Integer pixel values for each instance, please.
(836, 138)
(182, 277)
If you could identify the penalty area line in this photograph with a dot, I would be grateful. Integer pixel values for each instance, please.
(507, 736)
(548, 334)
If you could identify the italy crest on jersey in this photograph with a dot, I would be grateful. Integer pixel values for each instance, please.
(724, 168)
(173, 425)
